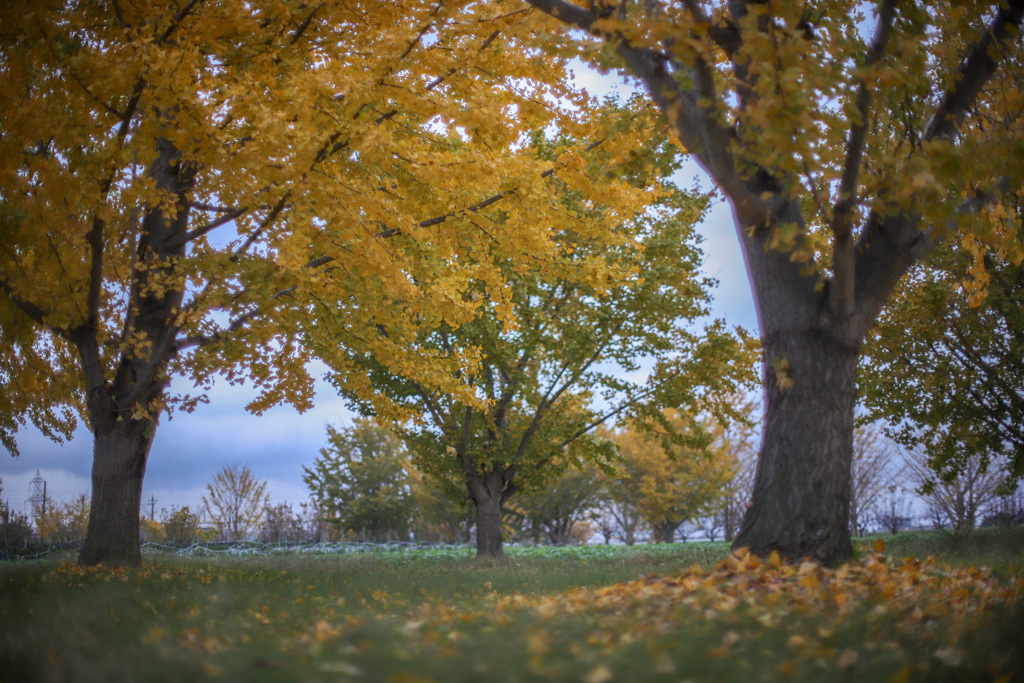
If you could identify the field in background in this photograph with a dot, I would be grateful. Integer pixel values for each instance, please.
(593, 614)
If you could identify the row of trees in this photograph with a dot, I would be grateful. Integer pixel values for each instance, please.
(190, 189)
(368, 487)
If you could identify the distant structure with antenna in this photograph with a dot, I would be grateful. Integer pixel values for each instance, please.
(38, 497)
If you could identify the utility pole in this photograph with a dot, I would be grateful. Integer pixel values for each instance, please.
(152, 507)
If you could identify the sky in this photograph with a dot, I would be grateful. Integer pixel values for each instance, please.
(189, 449)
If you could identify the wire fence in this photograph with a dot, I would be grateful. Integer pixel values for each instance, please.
(249, 548)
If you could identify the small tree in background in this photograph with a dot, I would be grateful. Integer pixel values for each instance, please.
(958, 498)
(560, 509)
(892, 511)
(739, 442)
(281, 524)
(62, 523)
(621, 501)
(15, 530)
(316, 527)
(180, 526)
(235, 502)
(150, 530)
(1007, 509)
(679, 482)
(361, 481)
(442, 509)
(874, 468)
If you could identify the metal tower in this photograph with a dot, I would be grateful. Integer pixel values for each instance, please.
(38, 497)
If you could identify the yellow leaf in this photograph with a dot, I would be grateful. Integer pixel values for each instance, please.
(847, 659)
(600, 674)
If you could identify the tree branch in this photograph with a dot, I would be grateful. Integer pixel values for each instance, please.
(34, 312)
(305, 25)
(176, 22)
(92, 300)
(843, 212)
(231, 215)
(975, 72)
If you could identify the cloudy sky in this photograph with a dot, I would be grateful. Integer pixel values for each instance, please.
(190, 449)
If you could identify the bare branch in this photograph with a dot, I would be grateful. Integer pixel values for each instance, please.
(255, 234)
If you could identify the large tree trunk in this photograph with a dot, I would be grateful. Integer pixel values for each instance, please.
(137, 381)
(488, 526)
(801, 500)
(665, 531)
(119, 464)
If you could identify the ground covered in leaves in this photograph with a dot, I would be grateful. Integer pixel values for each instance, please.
(689, 612)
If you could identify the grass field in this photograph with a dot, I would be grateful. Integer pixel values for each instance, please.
(683, 612)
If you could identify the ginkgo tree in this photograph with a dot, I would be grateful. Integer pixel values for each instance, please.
(557, 338)
(674, 483)
(849, 138)
(176, 177)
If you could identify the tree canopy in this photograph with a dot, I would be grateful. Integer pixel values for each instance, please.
(559, 338)
(947, 370)
(236, 502)
(361, 482)
(178, 180)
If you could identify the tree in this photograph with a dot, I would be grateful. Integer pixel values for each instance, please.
(180, 525)
(315, 525)
(440, 513)
(892, 510)
(236, 502)
(739, 442)
(62, 524)
(281, 524)
(957, 499)
(622, 500)
(360, 480)
(947, 371)
(15, 529)
(182, 183)
(561, 334)
(559, 509)
(845, 158)
(874, 469)
(674, 483)
(1007, 510)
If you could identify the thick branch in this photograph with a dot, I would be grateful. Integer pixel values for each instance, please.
(92, 300)
(975, 72)
(37, 314)
(843, 211)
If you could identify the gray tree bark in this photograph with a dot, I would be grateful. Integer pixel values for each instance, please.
(487, 495)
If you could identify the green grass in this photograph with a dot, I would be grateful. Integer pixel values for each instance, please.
(538, 614)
